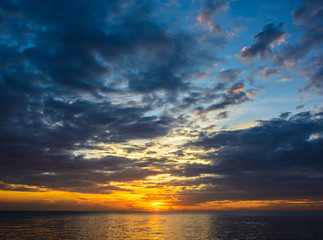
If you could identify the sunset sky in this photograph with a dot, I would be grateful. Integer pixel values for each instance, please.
(161, 105)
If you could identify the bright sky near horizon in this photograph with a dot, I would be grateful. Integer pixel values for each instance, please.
(161, 105)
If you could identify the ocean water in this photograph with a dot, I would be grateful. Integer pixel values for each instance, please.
(96, 225)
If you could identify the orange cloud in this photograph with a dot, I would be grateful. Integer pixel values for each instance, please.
(285, 79)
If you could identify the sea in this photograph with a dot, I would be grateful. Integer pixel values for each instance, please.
(165, 225)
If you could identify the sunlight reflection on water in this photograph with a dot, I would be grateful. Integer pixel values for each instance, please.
(157, 226)
(144, 226)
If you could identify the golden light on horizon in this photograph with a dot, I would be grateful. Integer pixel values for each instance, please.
(63, 200)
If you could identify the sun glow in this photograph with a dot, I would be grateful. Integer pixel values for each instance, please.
(156, 205)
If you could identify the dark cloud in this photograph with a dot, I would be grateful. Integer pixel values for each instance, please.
(8, 187)
(69, 173)
(285, 115)
(222, 115)
(315, 75)
(61, 64)
(78, 77)
(309, 17)
(229, 75)
(210, 7)
(144, 128)
(278, 159)
(135, 148)
(96, 47)
(268, 72)
(237, 87)
(235, 95)
(264, 39)
(97, 40)
(54, 205)
(209, 10)
(201, 96)
(45, 142)
(316, 79)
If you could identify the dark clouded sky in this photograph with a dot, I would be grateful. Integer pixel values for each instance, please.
(175, 105)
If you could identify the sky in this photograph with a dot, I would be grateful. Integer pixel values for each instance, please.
(161, 105)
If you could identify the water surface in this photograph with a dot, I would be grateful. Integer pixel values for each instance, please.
(95, 225)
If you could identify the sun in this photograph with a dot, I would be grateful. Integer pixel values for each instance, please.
(156, 205)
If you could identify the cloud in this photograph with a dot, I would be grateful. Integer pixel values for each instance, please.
(229, 75)
(265, 40)
(8, 187)
(81, 76)
(222, 115)
(209, 9)
(63, 66)
(68, 173)
(234, 96)
(285, 79)
(278, 159)
(39, 137)
(316, 79)
(54, 205)
(235, 88)
(285, 115)
(268, 72)
(203, 75)
(309, 17)
(88, 86)
(108, 46)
